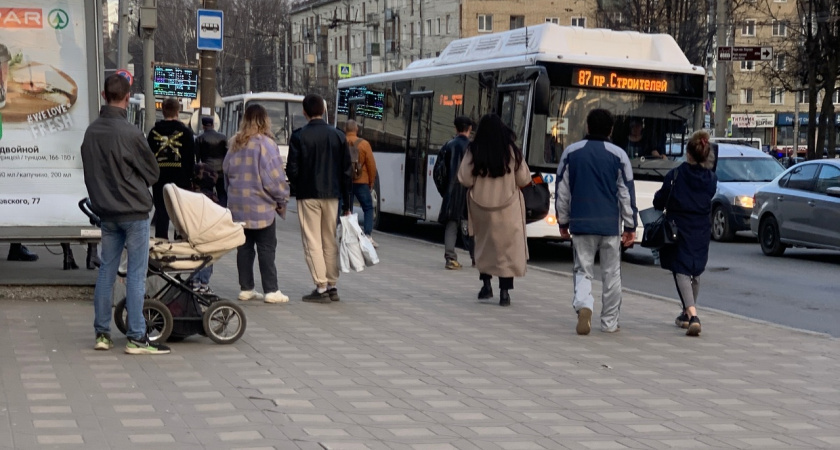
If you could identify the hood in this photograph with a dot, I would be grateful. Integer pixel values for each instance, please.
(735, 188)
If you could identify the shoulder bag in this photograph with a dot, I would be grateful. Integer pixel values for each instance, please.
(537, 199)
(662, 231)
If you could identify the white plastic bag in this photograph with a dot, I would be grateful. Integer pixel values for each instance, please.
(368, 251)
(349, 247)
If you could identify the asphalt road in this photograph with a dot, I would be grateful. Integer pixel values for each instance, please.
(799, 289)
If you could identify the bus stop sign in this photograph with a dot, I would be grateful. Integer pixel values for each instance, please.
(210, 30)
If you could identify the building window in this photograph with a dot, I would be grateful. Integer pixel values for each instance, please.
(779, 28)
(517, 22)
(836, 97)
(447, 24)
(802, 96)
(748, 29)
(777, 96)
(746, 96)
(485, 22)
(411, 34)
(579, 22)
(554, 20)
(747, 66)
(780, 62)
(428, 27)
(438, 26)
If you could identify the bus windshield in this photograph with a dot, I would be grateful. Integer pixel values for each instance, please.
(643, 123)
(285, 117)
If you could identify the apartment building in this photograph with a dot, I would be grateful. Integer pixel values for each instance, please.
(758, 107)
(337, 38)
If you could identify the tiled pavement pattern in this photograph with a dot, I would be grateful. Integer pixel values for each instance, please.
(409, 359)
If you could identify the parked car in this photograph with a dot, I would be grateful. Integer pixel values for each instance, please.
(801, 208)
(790, 161)
(740, 170)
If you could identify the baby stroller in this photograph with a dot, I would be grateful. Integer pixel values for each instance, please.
(173, 311)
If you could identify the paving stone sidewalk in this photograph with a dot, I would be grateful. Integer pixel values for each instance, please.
(409, 359)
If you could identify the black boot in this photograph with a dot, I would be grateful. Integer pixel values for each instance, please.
(69, 262)
(92, 260)
(19, 252)
(504, 298)
(486, 291)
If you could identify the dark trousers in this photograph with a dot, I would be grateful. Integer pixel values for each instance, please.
(161, 217)
(505, 283)
(221, 192)
(265, 240)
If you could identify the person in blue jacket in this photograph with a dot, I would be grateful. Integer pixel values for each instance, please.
(690, 186)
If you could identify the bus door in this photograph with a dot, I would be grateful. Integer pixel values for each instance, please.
(417, 133)
(513, 109)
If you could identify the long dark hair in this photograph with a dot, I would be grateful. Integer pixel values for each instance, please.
(492, 148)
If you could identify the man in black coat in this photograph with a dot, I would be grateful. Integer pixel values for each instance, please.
(453, 209)
(212, 148)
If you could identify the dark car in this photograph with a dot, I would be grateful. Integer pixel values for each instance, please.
(801, 208)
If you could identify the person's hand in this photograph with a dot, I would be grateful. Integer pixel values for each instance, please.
(346, 212)
(564, 233)
(281, 211)
(628, 238)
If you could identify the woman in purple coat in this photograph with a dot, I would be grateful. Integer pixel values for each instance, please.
(686, 194)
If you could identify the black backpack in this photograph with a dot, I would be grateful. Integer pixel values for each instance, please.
(440, 173)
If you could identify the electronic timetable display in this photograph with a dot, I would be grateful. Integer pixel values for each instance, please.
(619, 80)
(175, 81)
(367, 103)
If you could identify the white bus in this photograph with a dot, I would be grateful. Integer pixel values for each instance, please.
(542, 81)
(284, 110)
(137, 110)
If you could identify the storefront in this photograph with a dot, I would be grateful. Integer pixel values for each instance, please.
(784, 132)
(754, 126)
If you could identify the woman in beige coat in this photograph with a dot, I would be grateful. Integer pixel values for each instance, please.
(493, 170)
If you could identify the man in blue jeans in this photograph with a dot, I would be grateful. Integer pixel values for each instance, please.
(119, 168)
(364, 172)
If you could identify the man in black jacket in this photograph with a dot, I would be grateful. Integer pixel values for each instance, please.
(119, 167)
(319, 167)
(212, 148)
(174, 147)
(453, 209)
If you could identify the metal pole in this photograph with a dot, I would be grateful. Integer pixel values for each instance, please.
(721, 66)
(122, 35)
(247, 75)
(794, 150)
(208, 74)
(148, 67)
(288, 35)
(278, 79)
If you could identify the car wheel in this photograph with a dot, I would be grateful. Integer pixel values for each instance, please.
(721, 226)
(769, 237)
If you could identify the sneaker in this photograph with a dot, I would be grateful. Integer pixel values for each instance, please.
(244, 296)
(276, 297)
(682, 320)
(584, 323)
(370, 238)
(317, 297)
(333, 292)
(145, 347)
(452, 264)
(205, 289)
(693, 326)
(103, 342)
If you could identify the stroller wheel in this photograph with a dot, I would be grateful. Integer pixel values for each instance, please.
(224, 322)
(159, 321)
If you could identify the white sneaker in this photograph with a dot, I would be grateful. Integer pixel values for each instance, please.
(370, 238)
(250, 295)
(276, 297)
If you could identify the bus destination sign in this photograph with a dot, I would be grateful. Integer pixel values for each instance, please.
(623, 81)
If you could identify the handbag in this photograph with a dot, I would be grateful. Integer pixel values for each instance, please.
(537, 199)
(662, 231)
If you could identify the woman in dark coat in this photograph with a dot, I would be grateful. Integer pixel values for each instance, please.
(691, 187)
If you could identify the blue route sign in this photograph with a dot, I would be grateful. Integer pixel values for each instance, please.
(210, 30)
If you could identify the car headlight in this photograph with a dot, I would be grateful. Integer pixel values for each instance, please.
(744, 201)
(550, 219)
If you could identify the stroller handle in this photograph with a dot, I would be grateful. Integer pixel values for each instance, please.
(85, 206)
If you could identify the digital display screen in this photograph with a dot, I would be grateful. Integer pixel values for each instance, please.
(624, 80)
(366, 103)
(175, 81)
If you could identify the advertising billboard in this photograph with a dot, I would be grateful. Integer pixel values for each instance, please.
(49, 84)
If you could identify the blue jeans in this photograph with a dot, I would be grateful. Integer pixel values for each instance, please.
(134, 237)
(362, 193)
(203, 275)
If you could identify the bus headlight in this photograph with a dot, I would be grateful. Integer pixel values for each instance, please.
(550, 219)
(744, 201)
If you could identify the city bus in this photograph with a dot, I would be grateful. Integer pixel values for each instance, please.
(542, 81)
(137, 110)
(284, 110)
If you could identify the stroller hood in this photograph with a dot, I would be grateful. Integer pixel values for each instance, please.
(208, 227)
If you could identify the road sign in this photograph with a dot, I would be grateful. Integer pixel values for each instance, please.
(344, 71)
(210, 29)
(125, 73)
(745, 53)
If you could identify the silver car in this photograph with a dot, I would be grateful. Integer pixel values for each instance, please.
(801, 208)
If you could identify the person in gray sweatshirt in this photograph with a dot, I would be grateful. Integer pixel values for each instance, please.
(119, 168)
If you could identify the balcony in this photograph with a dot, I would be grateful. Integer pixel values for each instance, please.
(372, 49)
(372, 20)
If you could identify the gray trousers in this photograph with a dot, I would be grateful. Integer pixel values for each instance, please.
(450, 237)
(585, 247)
(688, 288)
